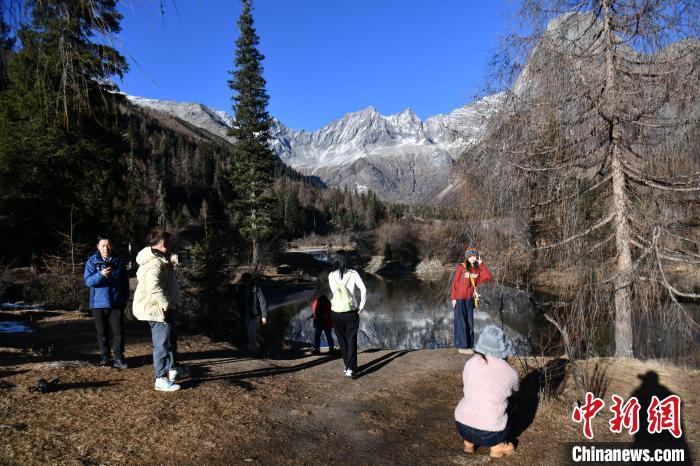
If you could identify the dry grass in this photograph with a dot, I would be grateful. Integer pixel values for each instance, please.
(288, 409)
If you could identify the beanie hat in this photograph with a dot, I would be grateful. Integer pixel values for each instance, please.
(492, 342)
(471, 252)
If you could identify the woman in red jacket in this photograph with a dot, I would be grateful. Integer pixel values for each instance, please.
(468, 275)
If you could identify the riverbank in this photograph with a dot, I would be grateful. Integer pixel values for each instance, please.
(288, 408)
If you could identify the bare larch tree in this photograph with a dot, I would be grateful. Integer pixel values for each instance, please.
(596, 144)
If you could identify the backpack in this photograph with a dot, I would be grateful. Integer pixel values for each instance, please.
(342, 301)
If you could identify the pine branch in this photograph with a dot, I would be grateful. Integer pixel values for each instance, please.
(667, 251)
(667, 181)
(694, 241)
(672, 291)
(666, 126)
(641, 179)
(580, 193)
(564, 334)
(655, 61)
(600, 224)
(568, 145)
(628, 272)
(602, 243)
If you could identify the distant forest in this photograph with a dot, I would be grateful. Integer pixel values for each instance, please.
(78, 159)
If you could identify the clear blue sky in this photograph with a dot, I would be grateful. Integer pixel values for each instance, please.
(323, 58)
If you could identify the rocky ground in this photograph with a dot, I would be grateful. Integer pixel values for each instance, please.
(289, 407)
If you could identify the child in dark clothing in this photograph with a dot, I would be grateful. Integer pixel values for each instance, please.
(323, 323)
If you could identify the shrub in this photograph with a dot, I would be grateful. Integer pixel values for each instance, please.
(400, 240)
(61, 285)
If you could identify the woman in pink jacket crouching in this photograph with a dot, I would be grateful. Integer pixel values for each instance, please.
(482, 415)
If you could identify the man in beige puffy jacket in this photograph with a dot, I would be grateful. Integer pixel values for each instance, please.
(155, 301)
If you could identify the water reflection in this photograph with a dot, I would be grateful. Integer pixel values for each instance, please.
(14, 306)
(15, 327)
(410, 314)
(18, 326)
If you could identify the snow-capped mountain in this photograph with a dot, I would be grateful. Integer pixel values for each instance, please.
(214, 121)
(398, 156)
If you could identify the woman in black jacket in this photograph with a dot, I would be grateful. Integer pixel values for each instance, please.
(254, 308)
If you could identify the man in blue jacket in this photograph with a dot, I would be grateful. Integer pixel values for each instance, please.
(107, 279)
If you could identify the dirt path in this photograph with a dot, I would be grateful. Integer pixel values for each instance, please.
(291, 408)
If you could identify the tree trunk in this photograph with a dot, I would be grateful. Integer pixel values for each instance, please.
(256, 253)
(623, 301)
(254, 239)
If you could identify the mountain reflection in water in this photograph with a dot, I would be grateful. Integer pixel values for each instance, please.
(407, 313)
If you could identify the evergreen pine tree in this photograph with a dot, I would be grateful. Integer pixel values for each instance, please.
(7, 42)
(132, 219)
(208, 273)
(251, 174)
(294, 220)
(59, 148)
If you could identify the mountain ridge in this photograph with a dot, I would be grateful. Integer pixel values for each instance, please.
(399, 156)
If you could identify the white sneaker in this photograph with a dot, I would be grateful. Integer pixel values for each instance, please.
(165, 385)
(178, 372)
(348, 372)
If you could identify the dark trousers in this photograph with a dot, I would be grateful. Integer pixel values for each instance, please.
(482, 438)
(464, 323)
(485, 438)
(251, 325)
(109, 322)
(346, 326)
(322, 326)
(164, 344)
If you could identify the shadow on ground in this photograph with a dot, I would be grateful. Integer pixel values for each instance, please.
(201, 372)
(652, 392)
(542, 381)
(72, 338)
(378, 363)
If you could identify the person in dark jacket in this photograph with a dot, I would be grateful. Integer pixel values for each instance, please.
(323, 322)
(254, 308)
(108, 282)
